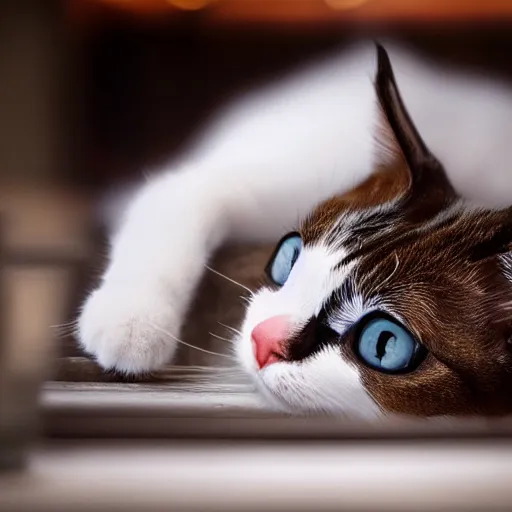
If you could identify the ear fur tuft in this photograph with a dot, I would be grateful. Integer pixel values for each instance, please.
(428, 180)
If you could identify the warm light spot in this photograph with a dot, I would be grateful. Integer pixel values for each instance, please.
(340, 5)
(189, 5)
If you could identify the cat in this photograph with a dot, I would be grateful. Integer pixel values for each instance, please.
(391, 295)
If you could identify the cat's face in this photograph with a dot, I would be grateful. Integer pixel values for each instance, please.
(395, 297)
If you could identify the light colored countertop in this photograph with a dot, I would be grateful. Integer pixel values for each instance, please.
(233, 476)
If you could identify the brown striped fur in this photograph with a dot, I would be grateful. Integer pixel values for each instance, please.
(437, 263)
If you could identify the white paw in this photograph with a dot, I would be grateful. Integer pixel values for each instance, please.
(124, 328)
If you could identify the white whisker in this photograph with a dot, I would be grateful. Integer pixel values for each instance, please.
(210, 369)
(232, 329)
(163, 331)
(229, 279)
(392, 273)
(220, 337)
(187, 369)
(71, 323)
(65, 329)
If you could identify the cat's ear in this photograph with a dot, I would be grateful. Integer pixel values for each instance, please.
(400, 138)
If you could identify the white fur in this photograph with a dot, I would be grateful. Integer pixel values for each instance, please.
(266, 161)
(151, 276)
(324, 382)
(310, 283)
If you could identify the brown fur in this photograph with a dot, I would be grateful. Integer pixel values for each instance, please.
(439, 265)
(385, 185)
(458, 309)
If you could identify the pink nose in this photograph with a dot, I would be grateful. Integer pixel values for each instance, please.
(268, 339)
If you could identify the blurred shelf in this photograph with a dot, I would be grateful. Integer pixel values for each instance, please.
(207, 408)
(234, 476)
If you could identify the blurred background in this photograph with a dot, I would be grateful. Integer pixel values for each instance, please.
(93, 92)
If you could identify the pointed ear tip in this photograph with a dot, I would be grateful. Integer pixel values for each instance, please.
(378, 46)
(383, 61)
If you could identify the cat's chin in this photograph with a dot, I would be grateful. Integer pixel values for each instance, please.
(247, 362)
(281, 397)
(323, 385)
(294, 404)
(273, 402)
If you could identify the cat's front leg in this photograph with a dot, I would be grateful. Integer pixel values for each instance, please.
(157, 258)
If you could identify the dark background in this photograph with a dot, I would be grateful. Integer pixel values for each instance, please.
(92, 94)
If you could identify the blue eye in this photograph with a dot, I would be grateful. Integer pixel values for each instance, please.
(284, 258)
(385, 345)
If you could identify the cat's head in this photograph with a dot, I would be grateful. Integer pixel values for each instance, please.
(393, 298)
